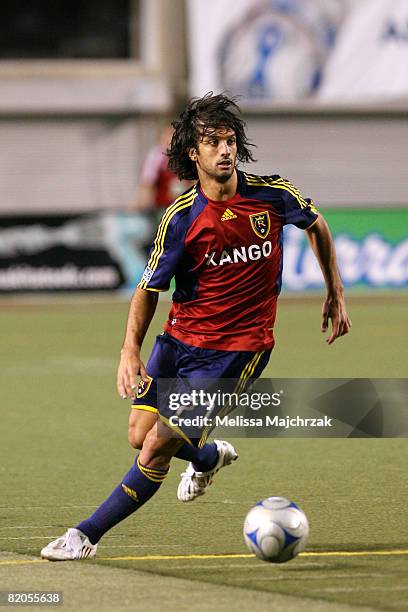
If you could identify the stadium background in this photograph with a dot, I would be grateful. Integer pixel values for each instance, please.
(83, 93)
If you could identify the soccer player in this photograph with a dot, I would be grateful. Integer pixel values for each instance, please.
(158, 187)
(222, 241)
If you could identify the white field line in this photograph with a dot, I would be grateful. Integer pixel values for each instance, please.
(44, 507)
(365, 588)
(28, 527)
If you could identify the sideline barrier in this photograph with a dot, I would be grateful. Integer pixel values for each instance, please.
(107, 251)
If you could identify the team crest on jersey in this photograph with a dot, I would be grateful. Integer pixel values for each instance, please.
(143, 387)
(261, 223)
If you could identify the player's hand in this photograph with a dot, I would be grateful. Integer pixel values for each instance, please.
(130, 367)
(334, 309)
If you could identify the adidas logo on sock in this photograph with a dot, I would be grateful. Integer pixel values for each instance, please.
(228, 215)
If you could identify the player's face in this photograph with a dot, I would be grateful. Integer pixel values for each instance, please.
(216, 154)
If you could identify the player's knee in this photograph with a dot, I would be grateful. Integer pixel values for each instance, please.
(135, 437)
(140, 423)
(152, 445)
(155, 452)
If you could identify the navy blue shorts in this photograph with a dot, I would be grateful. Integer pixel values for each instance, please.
(172, 359)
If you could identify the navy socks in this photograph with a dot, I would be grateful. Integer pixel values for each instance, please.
(136, 488)
(203, 459)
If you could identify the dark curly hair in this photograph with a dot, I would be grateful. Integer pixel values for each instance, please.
(201, 116)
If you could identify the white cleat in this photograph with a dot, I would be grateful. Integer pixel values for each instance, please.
(72, 546)
(193, 483)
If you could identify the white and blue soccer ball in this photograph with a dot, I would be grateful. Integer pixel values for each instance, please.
(276, 530)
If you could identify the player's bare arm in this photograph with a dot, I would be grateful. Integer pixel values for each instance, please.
(141, 311)
(334, 306)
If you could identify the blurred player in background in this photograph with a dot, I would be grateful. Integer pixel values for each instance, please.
(222, 241)
(158, 186)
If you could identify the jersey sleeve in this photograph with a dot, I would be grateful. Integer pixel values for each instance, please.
(166, 252)
(297, 210)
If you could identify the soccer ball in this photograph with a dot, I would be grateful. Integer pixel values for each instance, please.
(276, 530)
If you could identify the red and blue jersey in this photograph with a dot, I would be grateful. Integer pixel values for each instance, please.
(226, 258)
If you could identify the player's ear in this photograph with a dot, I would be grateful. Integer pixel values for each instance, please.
(192, 153)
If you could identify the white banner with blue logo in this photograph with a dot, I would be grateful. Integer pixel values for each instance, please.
(264, 50)
(330, 51)
(370, 60)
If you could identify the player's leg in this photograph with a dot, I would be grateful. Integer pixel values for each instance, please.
(140, 483)
(159, 447)
(140, 423)
(244, 367)
(204, 458)
(142, 420)
(164, 362)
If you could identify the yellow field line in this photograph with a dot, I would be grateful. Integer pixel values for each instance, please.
(334, 553)
(177, 557)
(339, 553)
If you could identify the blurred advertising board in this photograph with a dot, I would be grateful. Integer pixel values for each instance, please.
(371, 247)
(280, 51)
(370, 58)
(91, 252)
(107, 251)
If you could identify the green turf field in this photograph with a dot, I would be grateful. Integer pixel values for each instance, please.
(64, 447)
